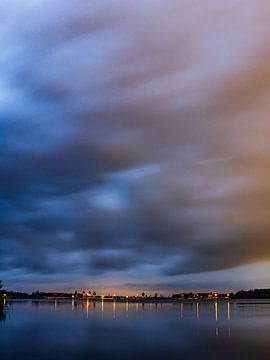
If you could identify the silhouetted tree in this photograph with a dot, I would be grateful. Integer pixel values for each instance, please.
(1, 291)
(143, 294)
(252, 294)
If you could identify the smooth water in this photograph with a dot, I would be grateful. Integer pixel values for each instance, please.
(85, 330)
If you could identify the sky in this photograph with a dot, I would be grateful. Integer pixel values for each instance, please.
(135, 151)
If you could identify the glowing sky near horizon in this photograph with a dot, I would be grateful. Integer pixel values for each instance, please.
(135, 150)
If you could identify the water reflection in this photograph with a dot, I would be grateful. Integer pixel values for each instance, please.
(188, 310)
(3, 310)
(216, 310)
(135, 330)
(114, 310)
(135, 310)
(127, 309)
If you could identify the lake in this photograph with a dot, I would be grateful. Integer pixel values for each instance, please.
(106, 330)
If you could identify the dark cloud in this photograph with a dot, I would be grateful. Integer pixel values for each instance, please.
(134, 140)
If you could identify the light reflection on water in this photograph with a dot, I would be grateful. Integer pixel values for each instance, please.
(104, 330)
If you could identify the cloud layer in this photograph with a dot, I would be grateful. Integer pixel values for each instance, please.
(135, 140)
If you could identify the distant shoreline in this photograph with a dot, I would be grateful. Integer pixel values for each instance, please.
(136, 301)
(258, 294)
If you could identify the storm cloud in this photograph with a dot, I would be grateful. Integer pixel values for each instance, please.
(134, 142)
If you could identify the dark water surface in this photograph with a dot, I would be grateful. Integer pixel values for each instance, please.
(87, 330)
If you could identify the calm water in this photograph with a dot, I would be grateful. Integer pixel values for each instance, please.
(85, 330)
